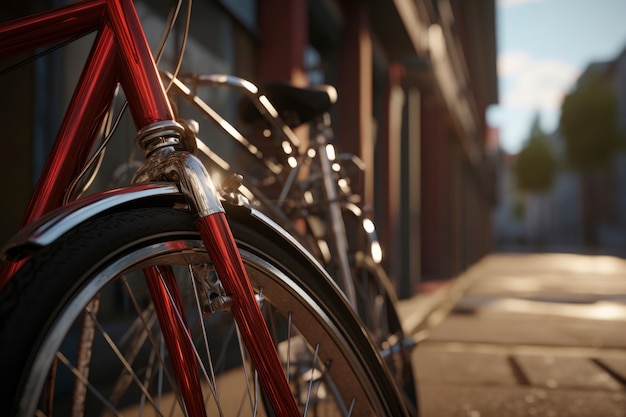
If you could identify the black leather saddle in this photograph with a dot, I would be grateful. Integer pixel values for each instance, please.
(295, 105)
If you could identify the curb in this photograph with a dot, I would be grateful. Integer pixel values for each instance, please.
(427, 309)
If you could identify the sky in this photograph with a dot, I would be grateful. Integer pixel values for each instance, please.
(543, 46)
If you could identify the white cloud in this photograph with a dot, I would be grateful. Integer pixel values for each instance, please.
(528, 85)
(534, 83)
(511, 63)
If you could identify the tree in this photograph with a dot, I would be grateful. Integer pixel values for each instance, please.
(535, 167)
(589, 123)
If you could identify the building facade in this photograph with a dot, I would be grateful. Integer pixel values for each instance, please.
(414, 79)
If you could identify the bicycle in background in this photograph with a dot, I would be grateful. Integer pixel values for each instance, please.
(339, 229)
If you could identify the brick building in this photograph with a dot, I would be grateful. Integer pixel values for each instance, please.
(414, 79)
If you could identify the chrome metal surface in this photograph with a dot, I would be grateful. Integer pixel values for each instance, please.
(220, 79)
(164, 163)
(159, 134)
(222, 123)
(337, 232)
(47, 229)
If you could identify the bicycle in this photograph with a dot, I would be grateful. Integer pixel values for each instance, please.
(104, 297)
(324, 199)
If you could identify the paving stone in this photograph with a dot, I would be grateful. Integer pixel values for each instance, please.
(479, 368)
(503, 329)
(615, 365)
(564, 372)
(528, 329)
(448, 400)
(531, 336)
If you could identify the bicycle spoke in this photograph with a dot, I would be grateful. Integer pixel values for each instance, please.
(147, 379)
(125, 379)
(313, 369)
(197, 355)
(352, 404)
(87, 384)
(140, 323)
(211, 381)
(123, 361)
(289, 327)
(245, 367)
(156, 346)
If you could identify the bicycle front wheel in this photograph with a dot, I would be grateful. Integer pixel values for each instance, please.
(79, 333)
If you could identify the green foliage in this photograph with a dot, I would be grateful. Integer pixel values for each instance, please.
(535, 167)
(589, 123)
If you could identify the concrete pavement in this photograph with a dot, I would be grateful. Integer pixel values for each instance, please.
(523, 335)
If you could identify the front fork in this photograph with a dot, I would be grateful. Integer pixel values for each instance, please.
(166, 161)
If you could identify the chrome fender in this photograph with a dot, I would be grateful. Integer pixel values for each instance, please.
(47, 229)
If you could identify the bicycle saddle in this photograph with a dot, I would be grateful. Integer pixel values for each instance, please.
(295, 105)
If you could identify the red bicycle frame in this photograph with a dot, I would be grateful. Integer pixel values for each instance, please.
(121, 54)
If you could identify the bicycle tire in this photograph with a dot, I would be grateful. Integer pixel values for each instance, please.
(376, 302)
(376, 305)
(44, 304)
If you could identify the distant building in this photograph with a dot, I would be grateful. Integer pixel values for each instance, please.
(555, 220)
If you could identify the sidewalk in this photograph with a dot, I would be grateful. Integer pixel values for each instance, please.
(523, 335)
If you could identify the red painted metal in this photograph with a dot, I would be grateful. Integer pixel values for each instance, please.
(140, 77)
(80, 127)
(176, 336)
(45, 28)
(222, 249)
